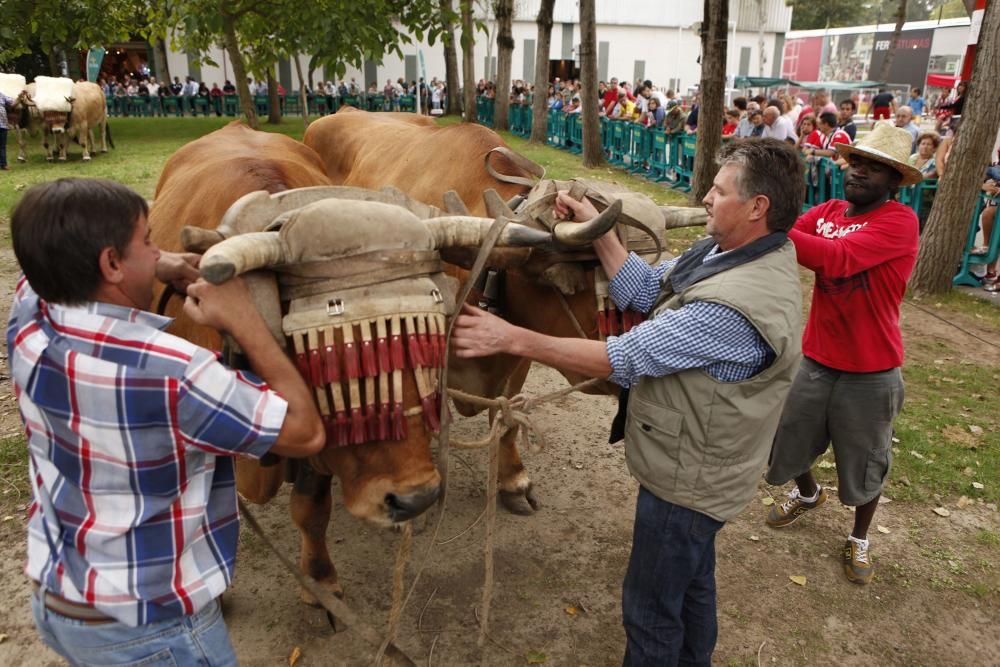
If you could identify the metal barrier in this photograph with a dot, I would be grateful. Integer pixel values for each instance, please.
(965, 275)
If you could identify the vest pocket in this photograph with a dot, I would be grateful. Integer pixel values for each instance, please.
(652, 442)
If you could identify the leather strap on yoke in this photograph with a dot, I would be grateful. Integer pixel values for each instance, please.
(520, 161)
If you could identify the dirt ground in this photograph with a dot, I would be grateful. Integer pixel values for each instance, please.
(934, 599)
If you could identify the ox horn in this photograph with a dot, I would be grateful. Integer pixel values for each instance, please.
(584, 233)
(198, 239)
(466, 230)
(239, 254)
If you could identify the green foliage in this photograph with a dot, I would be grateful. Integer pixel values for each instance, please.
(67, 24)
(810, 15)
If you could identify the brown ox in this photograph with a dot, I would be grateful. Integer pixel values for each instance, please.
(425, 160)
(382, 482)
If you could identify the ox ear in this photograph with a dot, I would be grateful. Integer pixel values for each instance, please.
(566, 277)
(71, 99)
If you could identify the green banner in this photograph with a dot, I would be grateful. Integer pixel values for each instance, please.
(94, 59)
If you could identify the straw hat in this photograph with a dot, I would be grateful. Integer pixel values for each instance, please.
(889, 145)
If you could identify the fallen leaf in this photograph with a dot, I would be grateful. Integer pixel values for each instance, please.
(294, 657)
(3, 638)
(570, 610)
(964, 501)
(896, 440)
(767, 501)
(797, 579)
(536, 657)
(754, 538)
(9, 517)
(975, 430)
(916, 455)
(883, 530)
(975, 485)
(940, 511)
(969, 472)
(827, 464)
(882, 500)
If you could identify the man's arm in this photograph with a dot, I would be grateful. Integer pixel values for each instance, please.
(227, 307)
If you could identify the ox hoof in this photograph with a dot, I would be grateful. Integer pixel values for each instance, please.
(48, 159)
(86, 158)
(21, 159)
(62, 159)
(330, 586)
(521, 502)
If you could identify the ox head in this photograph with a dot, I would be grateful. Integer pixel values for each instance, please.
(393, 480)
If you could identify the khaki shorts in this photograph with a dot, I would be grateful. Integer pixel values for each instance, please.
(854, 411)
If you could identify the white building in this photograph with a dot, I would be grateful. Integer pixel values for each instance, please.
(636, 39)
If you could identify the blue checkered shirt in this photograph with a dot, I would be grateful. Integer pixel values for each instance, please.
(4, 101)
(131, 436)
(700, 334)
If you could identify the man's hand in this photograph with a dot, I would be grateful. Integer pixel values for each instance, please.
(178, 269)
(224, 307)
(567, 208)
(479, 334)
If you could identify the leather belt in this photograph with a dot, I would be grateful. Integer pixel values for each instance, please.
(78, 611)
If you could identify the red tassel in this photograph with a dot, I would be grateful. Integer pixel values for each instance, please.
(331, 365)
(430, 414)
(396, 351)
(302, 363)
(384, 362)
(602, 322)
(357, 427)
(330, 426)
(384, 417)
(398, 422)
(371, 423)
(351, 361)
(442, 350)
(368, 362)
(316, 375)
(425, 350)
(343, 433)
(612, 322)
(413, 348)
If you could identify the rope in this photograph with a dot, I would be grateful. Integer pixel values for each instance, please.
(398, 575)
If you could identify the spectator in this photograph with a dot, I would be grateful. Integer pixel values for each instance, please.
(845, 117)
(658, 94)
(745, 127)
(822, 103)
(923, 159)
(952, 106)
(674, 122)
(777, 126)
(992, 188)
(917, 104)
(883, 105)
(691, 124)
(228, 88)
(624, 109)
(654, 115)
(216, 95)
(757, 123)
(793, 109)
(809, 134)
(388, 92)
(732, 122)
(5, 103)
(831, 135)
(904, 119)
(672, 100)
(611, 96)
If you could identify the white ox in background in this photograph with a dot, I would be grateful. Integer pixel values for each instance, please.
(75, 116)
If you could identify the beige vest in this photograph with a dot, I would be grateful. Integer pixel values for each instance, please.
(700, 443)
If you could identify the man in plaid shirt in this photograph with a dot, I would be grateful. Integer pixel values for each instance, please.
(133, 527)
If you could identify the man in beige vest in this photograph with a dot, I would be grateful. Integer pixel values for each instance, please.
(708, 373)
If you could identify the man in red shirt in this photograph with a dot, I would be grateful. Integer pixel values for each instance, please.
(849, 389)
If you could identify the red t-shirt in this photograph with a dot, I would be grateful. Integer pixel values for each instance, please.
(862, 264)
(728, 129)
(814, 140)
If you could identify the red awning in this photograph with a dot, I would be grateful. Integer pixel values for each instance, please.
(942, 80)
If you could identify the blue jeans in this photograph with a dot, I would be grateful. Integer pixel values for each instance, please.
(198, 639)
(668, 598)
(3, 146)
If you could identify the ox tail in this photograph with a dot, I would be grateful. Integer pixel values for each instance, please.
(107, 133)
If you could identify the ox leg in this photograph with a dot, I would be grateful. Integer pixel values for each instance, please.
(516, 492)
(311, 504)
(62, 143)
(47, 146)
(104, 135)
(22, 151)
(87, 140)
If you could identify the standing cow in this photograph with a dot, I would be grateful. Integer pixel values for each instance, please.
(89, 112)
(27, 121)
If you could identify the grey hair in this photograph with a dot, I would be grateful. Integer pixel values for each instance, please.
(773, 169)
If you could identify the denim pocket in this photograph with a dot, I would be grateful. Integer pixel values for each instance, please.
(162, 658)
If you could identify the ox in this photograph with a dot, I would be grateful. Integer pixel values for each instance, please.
(425, 160)
(28, 122)
(88, 113)
(383, 481)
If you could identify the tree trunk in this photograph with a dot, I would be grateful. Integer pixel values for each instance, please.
(540, 104)
(303, 98)
(504, 10)
(239, 71)
(273, 103)
(468, 63)
(890, 55)
(593, 152)
(162, 65)
(711, 92)
(450, 60)
(944, 235)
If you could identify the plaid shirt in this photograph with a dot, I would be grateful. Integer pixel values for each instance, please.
(131, 433)
(700, 334)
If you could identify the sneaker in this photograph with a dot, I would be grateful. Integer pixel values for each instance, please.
(789, 511)
(857, 561)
